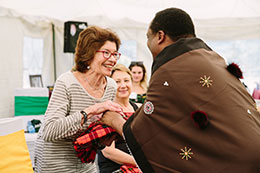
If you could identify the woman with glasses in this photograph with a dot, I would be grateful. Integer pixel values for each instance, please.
(112, 157)
(138, 71)
(79, 97)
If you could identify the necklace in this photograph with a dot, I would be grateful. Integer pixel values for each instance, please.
(100, 87)
(126, 108)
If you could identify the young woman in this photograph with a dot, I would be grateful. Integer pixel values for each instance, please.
(138, 71)
(113, 157)
(78, 95)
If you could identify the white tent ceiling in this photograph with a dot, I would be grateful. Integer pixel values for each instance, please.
(209, 15)
(137, 10)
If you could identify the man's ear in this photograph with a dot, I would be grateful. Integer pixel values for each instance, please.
(161, 36)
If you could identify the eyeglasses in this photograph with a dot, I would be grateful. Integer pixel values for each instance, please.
(107, 54)
(137, 63)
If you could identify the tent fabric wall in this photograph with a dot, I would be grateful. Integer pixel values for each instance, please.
(11, 62)
(228, 28)
(27, 18)
(13, 30)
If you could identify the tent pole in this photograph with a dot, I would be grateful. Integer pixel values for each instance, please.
(54, 53)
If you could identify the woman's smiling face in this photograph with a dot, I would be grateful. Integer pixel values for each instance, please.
(124, 84)
(102, 65)
(137, 73)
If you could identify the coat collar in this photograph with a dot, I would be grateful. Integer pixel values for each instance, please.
(176, 49)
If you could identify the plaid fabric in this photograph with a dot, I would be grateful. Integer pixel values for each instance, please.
(130, 169)
(88, 142)
(127, 115)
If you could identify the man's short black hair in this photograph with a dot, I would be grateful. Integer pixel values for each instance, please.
(175, 23)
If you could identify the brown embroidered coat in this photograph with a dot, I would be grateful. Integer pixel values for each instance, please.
(188, 76)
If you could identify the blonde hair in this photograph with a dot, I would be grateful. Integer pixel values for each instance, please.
(121, 67)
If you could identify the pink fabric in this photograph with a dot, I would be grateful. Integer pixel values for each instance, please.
(256, 94)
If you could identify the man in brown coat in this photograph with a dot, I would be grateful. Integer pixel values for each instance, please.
(198, 116)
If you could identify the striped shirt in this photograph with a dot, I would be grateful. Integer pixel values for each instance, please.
(54, 150)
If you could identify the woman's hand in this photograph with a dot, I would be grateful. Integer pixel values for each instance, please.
(99, 108)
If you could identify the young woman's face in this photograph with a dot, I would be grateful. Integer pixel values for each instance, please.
(102, 65)
(124, 84)
(137, 73)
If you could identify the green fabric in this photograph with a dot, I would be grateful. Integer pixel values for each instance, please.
(139, 99)
(30, 105)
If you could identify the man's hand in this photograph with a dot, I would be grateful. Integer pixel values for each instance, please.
(107, 141)
(114, 120)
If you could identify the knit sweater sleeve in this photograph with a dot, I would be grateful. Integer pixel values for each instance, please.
(58, 124)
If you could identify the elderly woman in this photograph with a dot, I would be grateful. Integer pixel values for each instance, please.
(79, 95)
(113, 157)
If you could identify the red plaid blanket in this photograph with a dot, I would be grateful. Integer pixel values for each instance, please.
(87, 144)
(130, 169)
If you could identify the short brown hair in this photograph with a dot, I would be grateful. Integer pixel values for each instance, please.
(90, 40)
(121, 67)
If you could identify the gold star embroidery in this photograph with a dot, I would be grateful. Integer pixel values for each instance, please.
(186, 154)
(206, 81)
